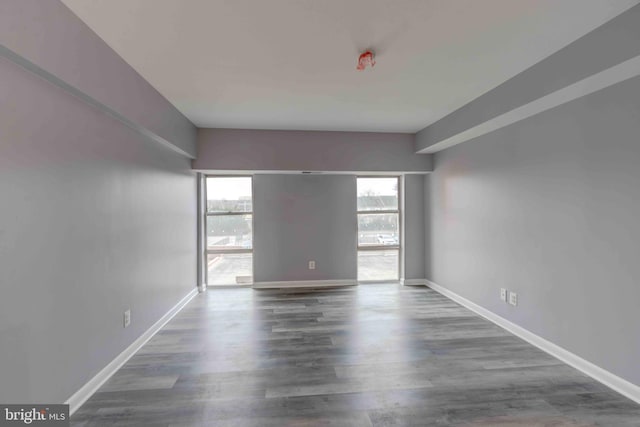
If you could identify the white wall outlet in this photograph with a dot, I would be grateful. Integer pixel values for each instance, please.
(503, 294)
(312, 265)
(513, 298)
(127, 318)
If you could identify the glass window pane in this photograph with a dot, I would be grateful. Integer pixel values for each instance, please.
(375, 194)
(229, 269)
(378, 230)
(378, 265)
(229, 232)
(229, 194)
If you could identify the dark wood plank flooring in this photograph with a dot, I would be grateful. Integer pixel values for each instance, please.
(373, 355)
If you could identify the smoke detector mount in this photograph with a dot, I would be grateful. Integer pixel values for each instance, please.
(366, 59)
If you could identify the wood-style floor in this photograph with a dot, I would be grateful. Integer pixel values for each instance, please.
(373, 355)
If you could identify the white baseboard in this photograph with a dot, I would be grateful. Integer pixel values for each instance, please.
(229, 286)
(304, 284)
(603, 376)
(415, 282)
(86, 391)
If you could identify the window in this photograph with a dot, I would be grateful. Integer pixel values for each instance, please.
(378, 228)
(229, 230)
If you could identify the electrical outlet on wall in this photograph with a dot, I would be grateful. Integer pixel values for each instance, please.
(127, 318)
(513, 299)
(312, 265)
(503, 294)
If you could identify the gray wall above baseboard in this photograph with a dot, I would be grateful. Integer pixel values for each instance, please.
(299, 218)
(548, 208)
(268, 150)
(414, 241)
(95, 220)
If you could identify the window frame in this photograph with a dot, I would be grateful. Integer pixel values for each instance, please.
(378, 247)
(207, 214)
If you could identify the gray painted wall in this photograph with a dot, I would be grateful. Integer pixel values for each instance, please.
(52, 37)
(549, 208)
(266, 150)
(93, 220)
(428, 224)
(612, 43)
(414, 241)
(298, 218)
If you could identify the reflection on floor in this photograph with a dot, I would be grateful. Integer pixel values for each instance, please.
(373, 355)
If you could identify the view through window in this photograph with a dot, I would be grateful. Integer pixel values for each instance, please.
(378, 228)
(229, 230)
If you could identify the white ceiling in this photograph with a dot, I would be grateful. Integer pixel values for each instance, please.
(290, 64)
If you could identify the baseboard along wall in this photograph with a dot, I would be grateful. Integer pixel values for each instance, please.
(304, 284)
(599, 374)
(86, 391)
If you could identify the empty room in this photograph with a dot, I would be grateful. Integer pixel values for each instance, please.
(320, 213)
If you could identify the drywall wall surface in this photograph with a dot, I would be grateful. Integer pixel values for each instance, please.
(610, 44)
(52, 37)
(428, 223)
(414, 214)
(267, 150)
(299, 218)
(549, 208)
(94, 220)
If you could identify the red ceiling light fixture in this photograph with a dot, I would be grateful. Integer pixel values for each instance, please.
(366, 59)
